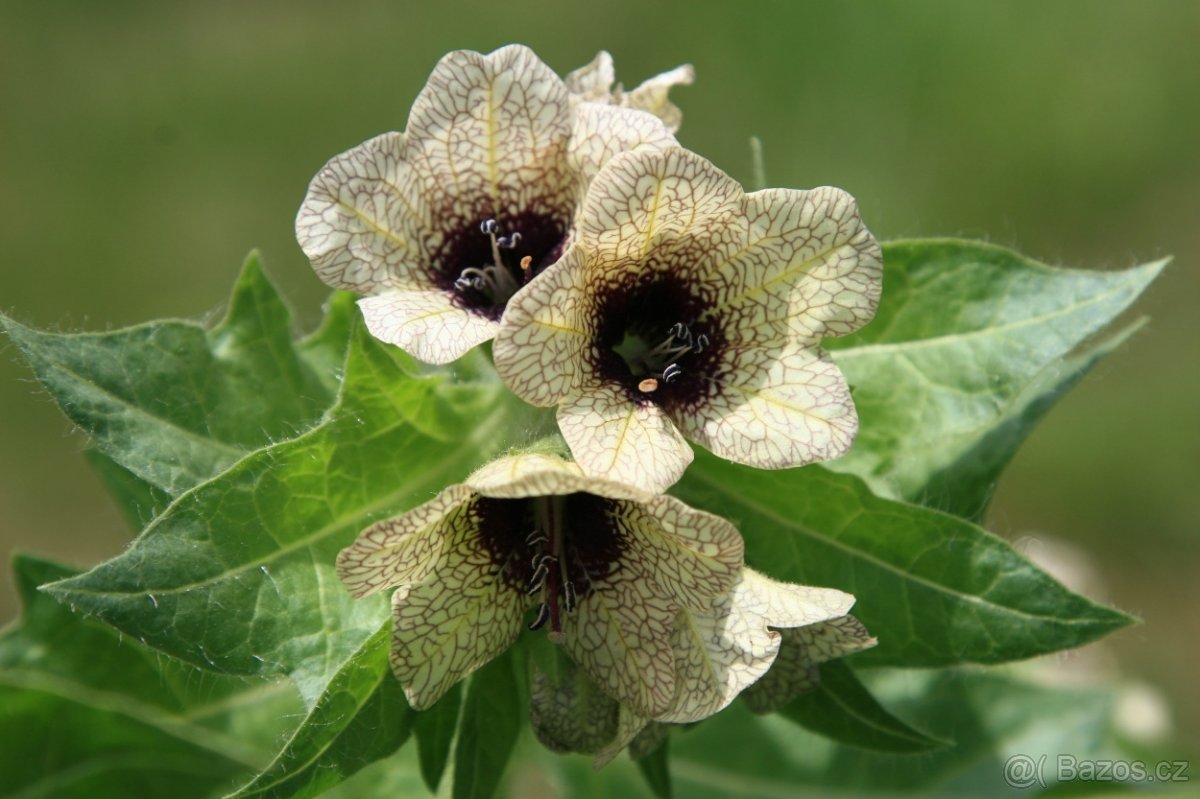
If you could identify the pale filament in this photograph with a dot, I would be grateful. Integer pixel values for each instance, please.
(496, 281)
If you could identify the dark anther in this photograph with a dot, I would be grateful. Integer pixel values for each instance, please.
(535, 538)
(701, 343)
(543, 616)
(488, 226)
(569, 592)
(538, 579)
(671, 373)
(509, 242)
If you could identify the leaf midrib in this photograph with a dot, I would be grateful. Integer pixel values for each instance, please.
(179, 727)
(324, 531)
(884, 565)
(252, 788)
(1130, 284)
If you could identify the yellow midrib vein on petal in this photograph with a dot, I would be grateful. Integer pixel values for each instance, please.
(711, 667)
(492, 149)
(387, 233)
(412, 320)
(558, 328)
(621, 439)
(614, 631)
(761, 396)
(671, 542)
(652, 220)
(470, 617)
(788, 273)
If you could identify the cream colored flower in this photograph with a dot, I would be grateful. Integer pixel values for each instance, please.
(595, 83)
(688, 307)
(801, 652)
(440, 225)
(529, 541)
(726, 649)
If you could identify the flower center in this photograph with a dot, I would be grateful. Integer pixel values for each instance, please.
(495, 281)
(654, 340)
(485, 264)
(554, 548)
(659, 364)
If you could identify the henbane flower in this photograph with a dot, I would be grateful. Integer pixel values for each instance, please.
(802, 650)
(690, 307)
(724, 650)
(596, 82)
(529, 541)
(440, 225)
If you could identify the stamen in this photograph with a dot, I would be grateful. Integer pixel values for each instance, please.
(679, 342)
(497, 261)
(543, 616)
(664, 363)
(569, 591)
(535, 538)
(538, 580)
(497, 281)
(465, 282)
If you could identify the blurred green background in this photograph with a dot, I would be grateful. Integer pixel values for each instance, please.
(145, 147)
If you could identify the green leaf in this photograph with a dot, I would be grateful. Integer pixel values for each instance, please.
(85, 713)
(935, 589)
(843, 709)
(325, 348)
(138, 500)
(237, 575)
(360, 718)
(174, 403)
(487, 730)
(968, 340)
(397, 777)
(989, 716)
(434, 729)
(656, 771)
(965, 487)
